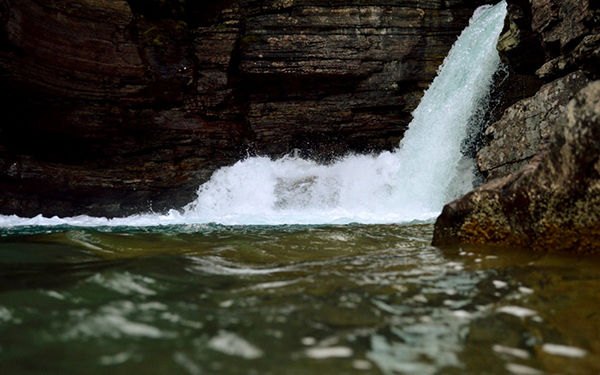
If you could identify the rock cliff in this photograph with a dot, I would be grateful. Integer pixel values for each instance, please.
(541, 157)
(113, 107)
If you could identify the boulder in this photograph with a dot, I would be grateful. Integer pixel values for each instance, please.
(551, 204)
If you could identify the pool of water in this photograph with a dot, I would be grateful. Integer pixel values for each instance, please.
(352, 299)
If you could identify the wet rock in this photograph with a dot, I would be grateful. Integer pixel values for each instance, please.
(561, 24)
(525, 127)
(552, 204)
(569, 33)
(544, 40)
(519, 46)
(115, 107)
(521, 52)
(343, 77)
(585, 56)
(541, 190)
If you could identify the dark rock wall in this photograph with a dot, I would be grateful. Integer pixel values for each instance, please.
(544, 40)
(113, 107)
(541, 155)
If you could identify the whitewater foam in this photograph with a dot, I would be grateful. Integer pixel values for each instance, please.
(411, 183)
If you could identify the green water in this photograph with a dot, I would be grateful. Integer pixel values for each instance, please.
(289, 300)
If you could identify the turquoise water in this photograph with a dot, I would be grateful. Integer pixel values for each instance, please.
(353, 299)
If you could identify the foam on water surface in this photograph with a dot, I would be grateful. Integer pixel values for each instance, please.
(411, 183)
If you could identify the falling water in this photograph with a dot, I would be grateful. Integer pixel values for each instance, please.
(411, 183)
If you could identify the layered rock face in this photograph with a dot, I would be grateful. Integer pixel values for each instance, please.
(115, 107)
(541, 156)
(525, 127)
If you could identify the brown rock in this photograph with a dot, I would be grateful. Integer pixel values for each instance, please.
(553, 204)
(521, 52)
(545, 192)
(341, 77)
(99, 103)
(519, 46)
(586, 56)
(547, 39)
(525, 127)
(561, 23)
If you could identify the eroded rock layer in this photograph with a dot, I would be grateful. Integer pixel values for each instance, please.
(115, 107)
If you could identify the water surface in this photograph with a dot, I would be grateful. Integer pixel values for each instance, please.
(353, 299)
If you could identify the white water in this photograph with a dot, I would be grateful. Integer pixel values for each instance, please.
(411, 183)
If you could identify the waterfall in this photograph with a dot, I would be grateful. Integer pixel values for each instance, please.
(411, 183)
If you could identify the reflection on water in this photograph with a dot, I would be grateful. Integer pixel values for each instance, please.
(292, 299)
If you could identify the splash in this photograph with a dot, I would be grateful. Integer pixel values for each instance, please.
(411, 183)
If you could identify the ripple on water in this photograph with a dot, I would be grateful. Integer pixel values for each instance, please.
(231, 344)
(125, 283)
(329, 352)
(515, 352)
(113, 321)
(518, 311)
(564, 350)
(219, 266)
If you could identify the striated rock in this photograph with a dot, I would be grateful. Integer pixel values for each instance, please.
(341, 77)
(552, 204)
(544, 40)
(115, 107)
(525, 127)
(519, 45)
(568, 31)
(562, 23)
(96, 119)
(526, 110)
(585, 56)
(521, 52)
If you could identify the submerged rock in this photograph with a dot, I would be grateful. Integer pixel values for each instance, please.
(551, 204)
(115, 107)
